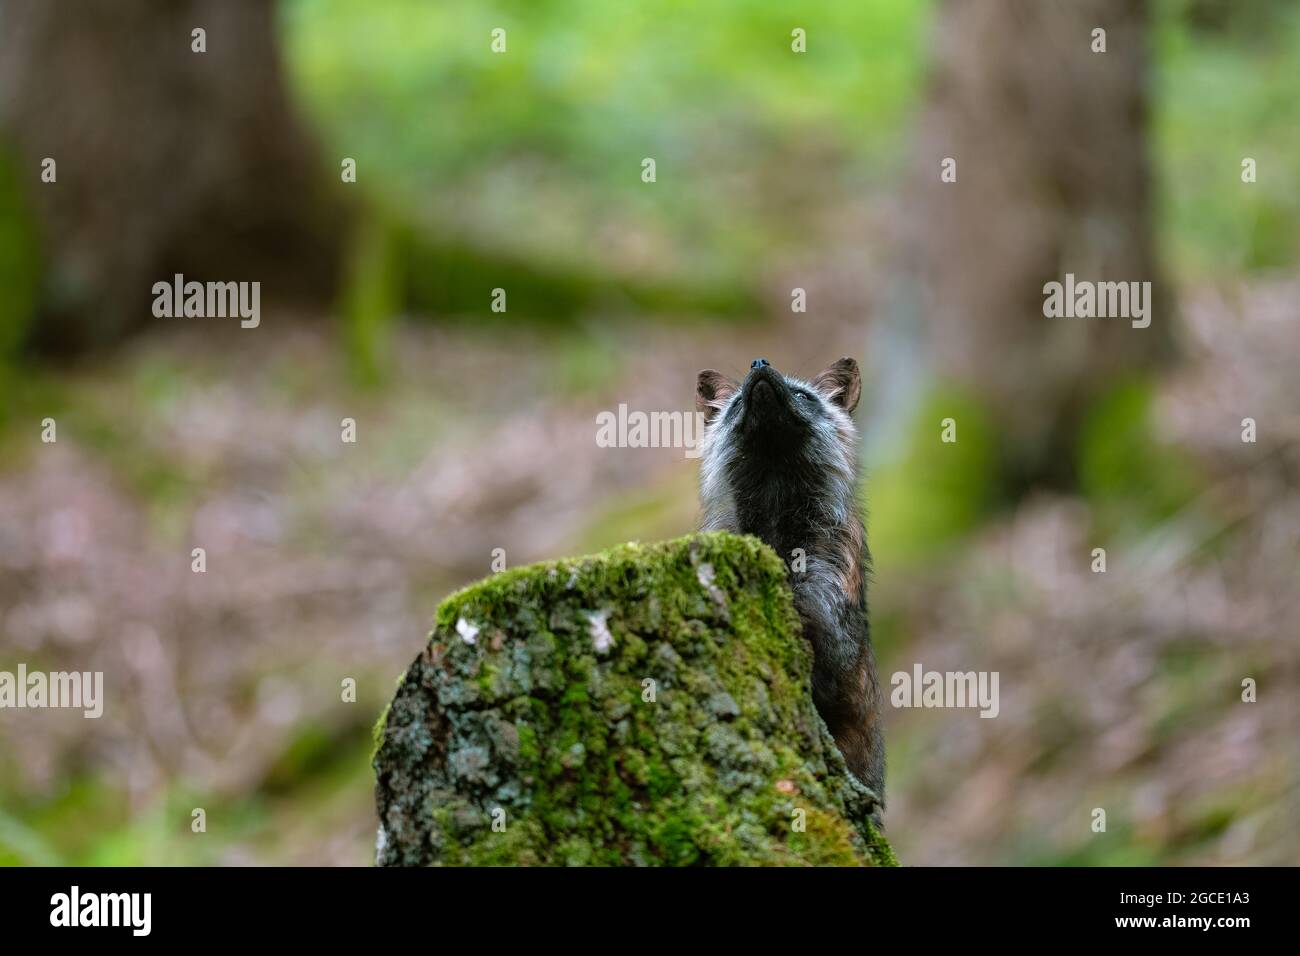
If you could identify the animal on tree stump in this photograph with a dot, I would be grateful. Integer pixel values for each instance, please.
(779, 461)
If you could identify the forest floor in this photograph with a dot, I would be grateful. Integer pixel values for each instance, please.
(325, 561)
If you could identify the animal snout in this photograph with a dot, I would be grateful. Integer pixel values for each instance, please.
(759, 363)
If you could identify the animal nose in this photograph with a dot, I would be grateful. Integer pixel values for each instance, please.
(759, 363)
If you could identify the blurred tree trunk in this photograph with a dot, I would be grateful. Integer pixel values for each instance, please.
(1050, 140)
(168, 160)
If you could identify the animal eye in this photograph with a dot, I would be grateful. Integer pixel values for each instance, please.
(804, 395)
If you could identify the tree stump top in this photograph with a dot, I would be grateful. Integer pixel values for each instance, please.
(649, 705)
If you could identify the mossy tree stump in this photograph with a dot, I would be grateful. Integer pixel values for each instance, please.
(649, 705)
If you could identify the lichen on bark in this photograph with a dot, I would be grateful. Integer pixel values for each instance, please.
(649, 705)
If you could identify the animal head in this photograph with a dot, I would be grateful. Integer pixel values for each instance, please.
(777, 429)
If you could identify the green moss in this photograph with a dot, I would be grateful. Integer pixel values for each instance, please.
(649, 705)
(1129, 475)
(935, 491)
(377, 732)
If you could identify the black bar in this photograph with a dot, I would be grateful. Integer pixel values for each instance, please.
(376, 907)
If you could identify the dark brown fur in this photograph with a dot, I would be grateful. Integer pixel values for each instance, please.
(780, 462)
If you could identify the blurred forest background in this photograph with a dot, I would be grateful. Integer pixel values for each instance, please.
(475, 430)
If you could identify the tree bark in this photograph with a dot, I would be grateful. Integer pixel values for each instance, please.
(1053, 177)
(168, 160)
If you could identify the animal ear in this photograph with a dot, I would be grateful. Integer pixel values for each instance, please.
(712, 390)
(840, 384)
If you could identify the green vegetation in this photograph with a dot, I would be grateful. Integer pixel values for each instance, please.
(935, 491)
(528, 165)
(1225, 91)
(1125, 470)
